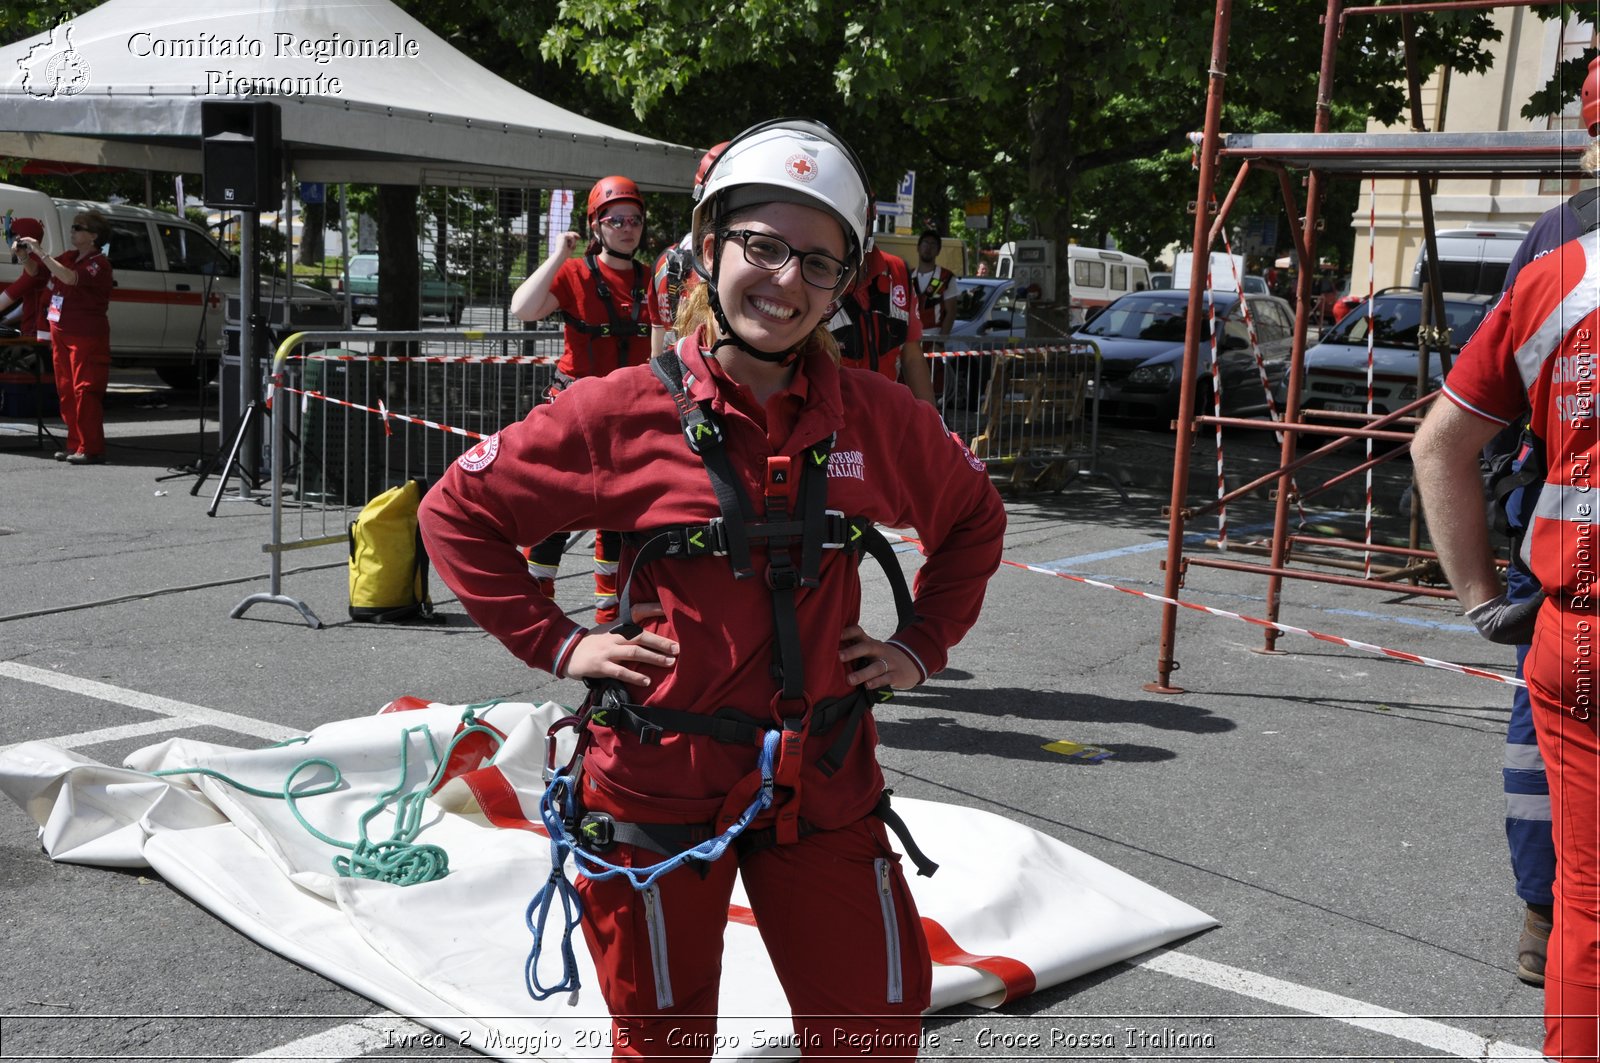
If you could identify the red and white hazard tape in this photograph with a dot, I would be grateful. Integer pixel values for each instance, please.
(1372, 281)
(430, 359)
(1261, 365)
(384, 413)
(1320, 636)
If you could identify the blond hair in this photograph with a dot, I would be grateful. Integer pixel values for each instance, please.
(694, 310)
(1590, 162)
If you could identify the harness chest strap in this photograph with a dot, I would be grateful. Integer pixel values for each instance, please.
(617, 327)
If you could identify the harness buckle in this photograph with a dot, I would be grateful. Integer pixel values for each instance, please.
(596, 832)
(784, 577)
(839, 533)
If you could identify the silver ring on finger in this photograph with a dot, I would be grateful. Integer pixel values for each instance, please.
(885, 662)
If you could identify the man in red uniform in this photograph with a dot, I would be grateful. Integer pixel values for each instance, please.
(1536, 352)
(603, 300)
(674, 270)
(80, 334)
(778, 234)
(874, 326)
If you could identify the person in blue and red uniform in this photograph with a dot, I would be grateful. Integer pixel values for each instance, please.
(712, 658)
(603, 299)
(1534, 356)
(80, 334)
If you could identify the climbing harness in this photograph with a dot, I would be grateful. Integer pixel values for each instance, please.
(804, 523)
(622, 329)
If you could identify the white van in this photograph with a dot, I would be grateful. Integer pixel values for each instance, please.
(1471, 261)
(161, 302)
(1098, 275)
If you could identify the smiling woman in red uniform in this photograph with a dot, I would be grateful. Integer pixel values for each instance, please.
(715, 658)
(604, 301)
(80, 334)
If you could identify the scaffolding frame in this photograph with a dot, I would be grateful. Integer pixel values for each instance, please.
(1319, 157)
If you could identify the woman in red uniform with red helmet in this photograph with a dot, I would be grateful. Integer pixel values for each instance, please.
(781, 435)
(604, 300)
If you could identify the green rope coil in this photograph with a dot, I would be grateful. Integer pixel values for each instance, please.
(397, 859)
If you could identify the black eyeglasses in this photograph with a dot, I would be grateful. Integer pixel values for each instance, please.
(770, 253)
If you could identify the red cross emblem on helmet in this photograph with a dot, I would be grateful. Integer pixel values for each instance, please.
(801, 167)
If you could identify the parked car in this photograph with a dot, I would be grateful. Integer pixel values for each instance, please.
(440, 296)
(988, 308)
(1253, 282)
(1141, 347)
(1336, 368)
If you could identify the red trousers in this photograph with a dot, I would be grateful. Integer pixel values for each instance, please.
(82, 371)
(835, 915)
(1571, 750)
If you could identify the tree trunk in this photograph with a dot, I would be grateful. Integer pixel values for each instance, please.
(313, 220)
(1050, 178)
(398, 282)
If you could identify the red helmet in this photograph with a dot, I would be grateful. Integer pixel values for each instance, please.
(611, 190)
(1591, 98)
(708, 160)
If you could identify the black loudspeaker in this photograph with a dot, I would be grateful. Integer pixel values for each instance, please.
(240, 154)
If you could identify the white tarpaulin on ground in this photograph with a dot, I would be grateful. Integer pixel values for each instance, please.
(366, 93)
(1010, 910)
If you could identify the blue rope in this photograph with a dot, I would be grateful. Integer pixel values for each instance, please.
(557, 807)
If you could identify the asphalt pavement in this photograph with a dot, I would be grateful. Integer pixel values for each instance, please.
(1340, 812)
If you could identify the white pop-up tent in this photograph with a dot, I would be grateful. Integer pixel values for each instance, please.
(367, 93)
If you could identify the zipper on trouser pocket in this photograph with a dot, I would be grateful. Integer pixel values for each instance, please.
(891, 927)
(656, 931)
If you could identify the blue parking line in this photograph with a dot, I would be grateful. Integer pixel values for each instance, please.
(1068, 563)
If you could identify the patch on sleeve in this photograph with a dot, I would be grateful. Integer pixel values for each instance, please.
(481, 456)
(972, 459)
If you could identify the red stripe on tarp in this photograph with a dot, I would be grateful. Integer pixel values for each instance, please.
(405, 703)
(498, 799)
(1017, 977)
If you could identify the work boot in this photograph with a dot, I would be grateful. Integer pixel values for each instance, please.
(1534, 943)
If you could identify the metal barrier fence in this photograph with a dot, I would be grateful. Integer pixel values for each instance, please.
(354, 413)
(1032, 413)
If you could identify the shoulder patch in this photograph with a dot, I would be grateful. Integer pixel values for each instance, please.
(481, 456)
(972, 459)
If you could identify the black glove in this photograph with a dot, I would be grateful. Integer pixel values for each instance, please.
(1507, 623)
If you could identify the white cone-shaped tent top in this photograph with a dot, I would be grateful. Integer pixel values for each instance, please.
(367, 93)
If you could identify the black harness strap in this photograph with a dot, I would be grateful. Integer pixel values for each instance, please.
(598, 832)
(617, 327)
(1586, 205)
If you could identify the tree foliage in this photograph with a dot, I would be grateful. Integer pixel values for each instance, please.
(1037, 103)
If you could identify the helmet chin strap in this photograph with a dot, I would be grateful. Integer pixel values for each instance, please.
(729, 337)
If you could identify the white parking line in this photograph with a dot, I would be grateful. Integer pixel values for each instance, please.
(195, 714)
(1427, 1032)
(166, 725)
(351, 1041)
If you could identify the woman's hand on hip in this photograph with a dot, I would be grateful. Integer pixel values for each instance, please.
(607, 653)
(874, 664)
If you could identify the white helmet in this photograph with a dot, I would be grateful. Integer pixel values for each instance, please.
(791, 160)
